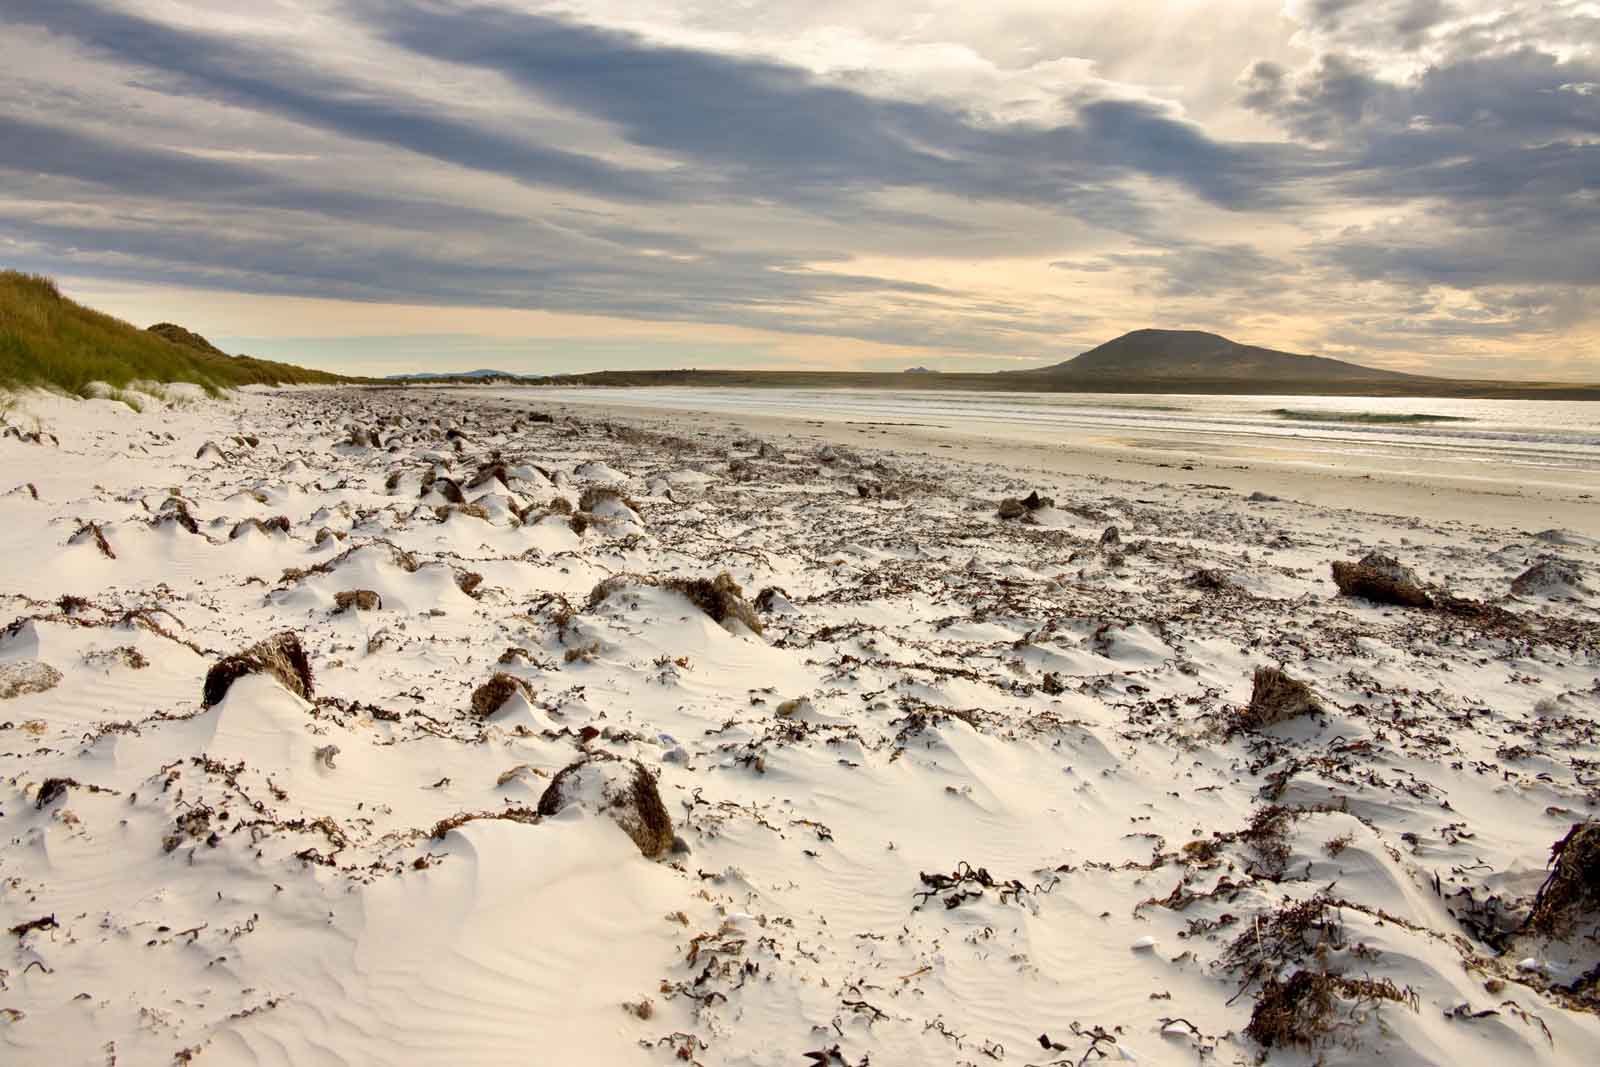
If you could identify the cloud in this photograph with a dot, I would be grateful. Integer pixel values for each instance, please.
(771, 128)
(268, 78)
(1397, 169)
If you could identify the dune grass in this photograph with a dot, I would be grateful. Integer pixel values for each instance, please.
(1377, 418)
(49, 341)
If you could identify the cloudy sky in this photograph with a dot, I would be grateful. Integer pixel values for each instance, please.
(381, 185)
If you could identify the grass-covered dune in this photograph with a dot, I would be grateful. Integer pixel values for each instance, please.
(49, 341)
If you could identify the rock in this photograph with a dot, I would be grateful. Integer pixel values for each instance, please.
(491, 695)
(1381, 579)
(1277, 698)
(360, 599)
(1550, 576)
(1111, 537)
(623, 790)
(773, 598)
(280, 655)
(20, 677)
(1258, 497)
(1012, 508)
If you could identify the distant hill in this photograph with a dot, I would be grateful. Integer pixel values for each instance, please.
(48, 340)
(1178, 354)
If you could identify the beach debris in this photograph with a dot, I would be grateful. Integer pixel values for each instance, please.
(1571, 892)
(444, 512)
(324, 754)
(90, 531)
(721, 597)
(489, 697)
(1550, 576)
(1210, 581)
(21, 677)
(280, 655)
(279, 523)
(1276, 697)
(1382, 580)
(360, 599)
(1303, 1010)
(622, 789)
(176, 510)
(52, 790)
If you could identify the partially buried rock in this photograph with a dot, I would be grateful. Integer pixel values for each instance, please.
(280, 655)
(491, 695)
(1111, 537)
(1276, 698)
(1381, 579)
(623, 790)
(1012, 508)
(1570, 895)
(1548, 577)
(27, 676)
(361, 599)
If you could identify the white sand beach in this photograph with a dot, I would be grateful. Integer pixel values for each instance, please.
(916, 783)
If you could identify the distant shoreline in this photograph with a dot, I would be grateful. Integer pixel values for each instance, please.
(1439, 388)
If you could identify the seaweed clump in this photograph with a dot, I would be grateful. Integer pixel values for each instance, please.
(1275, 698)
(1303, 1010)
(721, 597)
(280, 655)
(1571, 892)
(491, 695)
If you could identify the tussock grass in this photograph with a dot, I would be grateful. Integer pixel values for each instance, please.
(49, 341)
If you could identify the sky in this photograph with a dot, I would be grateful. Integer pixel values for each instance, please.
(383, 186)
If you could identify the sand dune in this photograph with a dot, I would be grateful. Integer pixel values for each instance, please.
(944, 787)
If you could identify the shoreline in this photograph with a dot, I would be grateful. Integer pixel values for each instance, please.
(1180, 460)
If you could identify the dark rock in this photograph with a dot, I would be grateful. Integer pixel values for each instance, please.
(1381, 579)
(624, 790)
